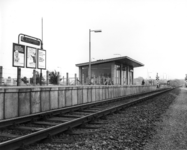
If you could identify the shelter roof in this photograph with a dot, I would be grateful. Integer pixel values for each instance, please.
(124, 60)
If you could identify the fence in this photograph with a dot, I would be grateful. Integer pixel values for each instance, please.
(8, 77)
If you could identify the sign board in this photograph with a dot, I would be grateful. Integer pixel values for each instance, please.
(31, 57)
(30, 40)
(18, 55)
(41, 59)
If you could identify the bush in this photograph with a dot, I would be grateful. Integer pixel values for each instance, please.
(53, 77)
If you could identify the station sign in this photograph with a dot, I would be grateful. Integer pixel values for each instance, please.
(30, 40)
(41, 59)
(31, 58)
(18, 55)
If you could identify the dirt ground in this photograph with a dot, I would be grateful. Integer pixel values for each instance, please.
(172, 130)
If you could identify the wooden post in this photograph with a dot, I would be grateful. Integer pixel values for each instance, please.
(34, 77)
(94, 79)
(132, 76)
(40, 76)
(47, 77)
(1, 74)
(82, 79)
(58, 79)
(75, 79)
(18, 76)
(63, 80)
(67, 79)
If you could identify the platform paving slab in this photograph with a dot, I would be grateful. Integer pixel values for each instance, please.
(1, 104)
(24, 102)
(54, 98)
(74, 96)
(45, 99)
(35, 100)
(61, 97)
(68, 96)
(11, 103)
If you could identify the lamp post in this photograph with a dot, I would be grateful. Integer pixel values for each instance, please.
(89, 70)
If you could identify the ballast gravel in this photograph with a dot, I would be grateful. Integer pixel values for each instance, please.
(130, 129)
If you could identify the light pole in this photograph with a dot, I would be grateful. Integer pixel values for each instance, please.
(89, 70)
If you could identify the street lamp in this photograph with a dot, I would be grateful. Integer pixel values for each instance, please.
(118, 54)
(89, 70)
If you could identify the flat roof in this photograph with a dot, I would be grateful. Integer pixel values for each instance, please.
(124, 59)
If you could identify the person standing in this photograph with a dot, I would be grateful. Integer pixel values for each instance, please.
(92, 81)
(143, 82)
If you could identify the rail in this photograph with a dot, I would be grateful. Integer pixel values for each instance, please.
(77, 116)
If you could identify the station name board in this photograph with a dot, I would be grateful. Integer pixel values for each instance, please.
(30, 41)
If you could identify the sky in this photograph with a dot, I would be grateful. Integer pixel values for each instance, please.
(153, 32)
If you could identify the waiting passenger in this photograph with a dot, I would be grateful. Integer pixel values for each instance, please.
(158, 85)
(143, 82)
(92, 81)
(108, 81)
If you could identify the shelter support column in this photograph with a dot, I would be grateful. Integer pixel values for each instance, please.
(127, 75)
(1, 74)
(121, 67)
(113, 73)
(132, 76)
(80, 74)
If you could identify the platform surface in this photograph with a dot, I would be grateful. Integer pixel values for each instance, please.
(172, 131)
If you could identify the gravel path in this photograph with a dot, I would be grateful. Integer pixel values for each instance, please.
(172, 131)
(131, 129)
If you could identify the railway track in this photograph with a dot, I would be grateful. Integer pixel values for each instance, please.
(18, 132)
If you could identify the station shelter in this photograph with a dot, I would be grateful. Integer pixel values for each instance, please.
(113, 71)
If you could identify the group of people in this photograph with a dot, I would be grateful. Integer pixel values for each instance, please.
(101, 81)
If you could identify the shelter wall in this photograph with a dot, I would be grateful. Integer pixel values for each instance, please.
(116, 73)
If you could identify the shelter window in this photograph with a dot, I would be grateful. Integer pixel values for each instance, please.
(84, 74)
(117, 72)
(102, 73)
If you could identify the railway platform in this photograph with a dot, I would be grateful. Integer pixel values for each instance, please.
(22, 101)
(172, 130)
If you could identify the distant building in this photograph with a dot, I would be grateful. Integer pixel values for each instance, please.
(117, 71)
